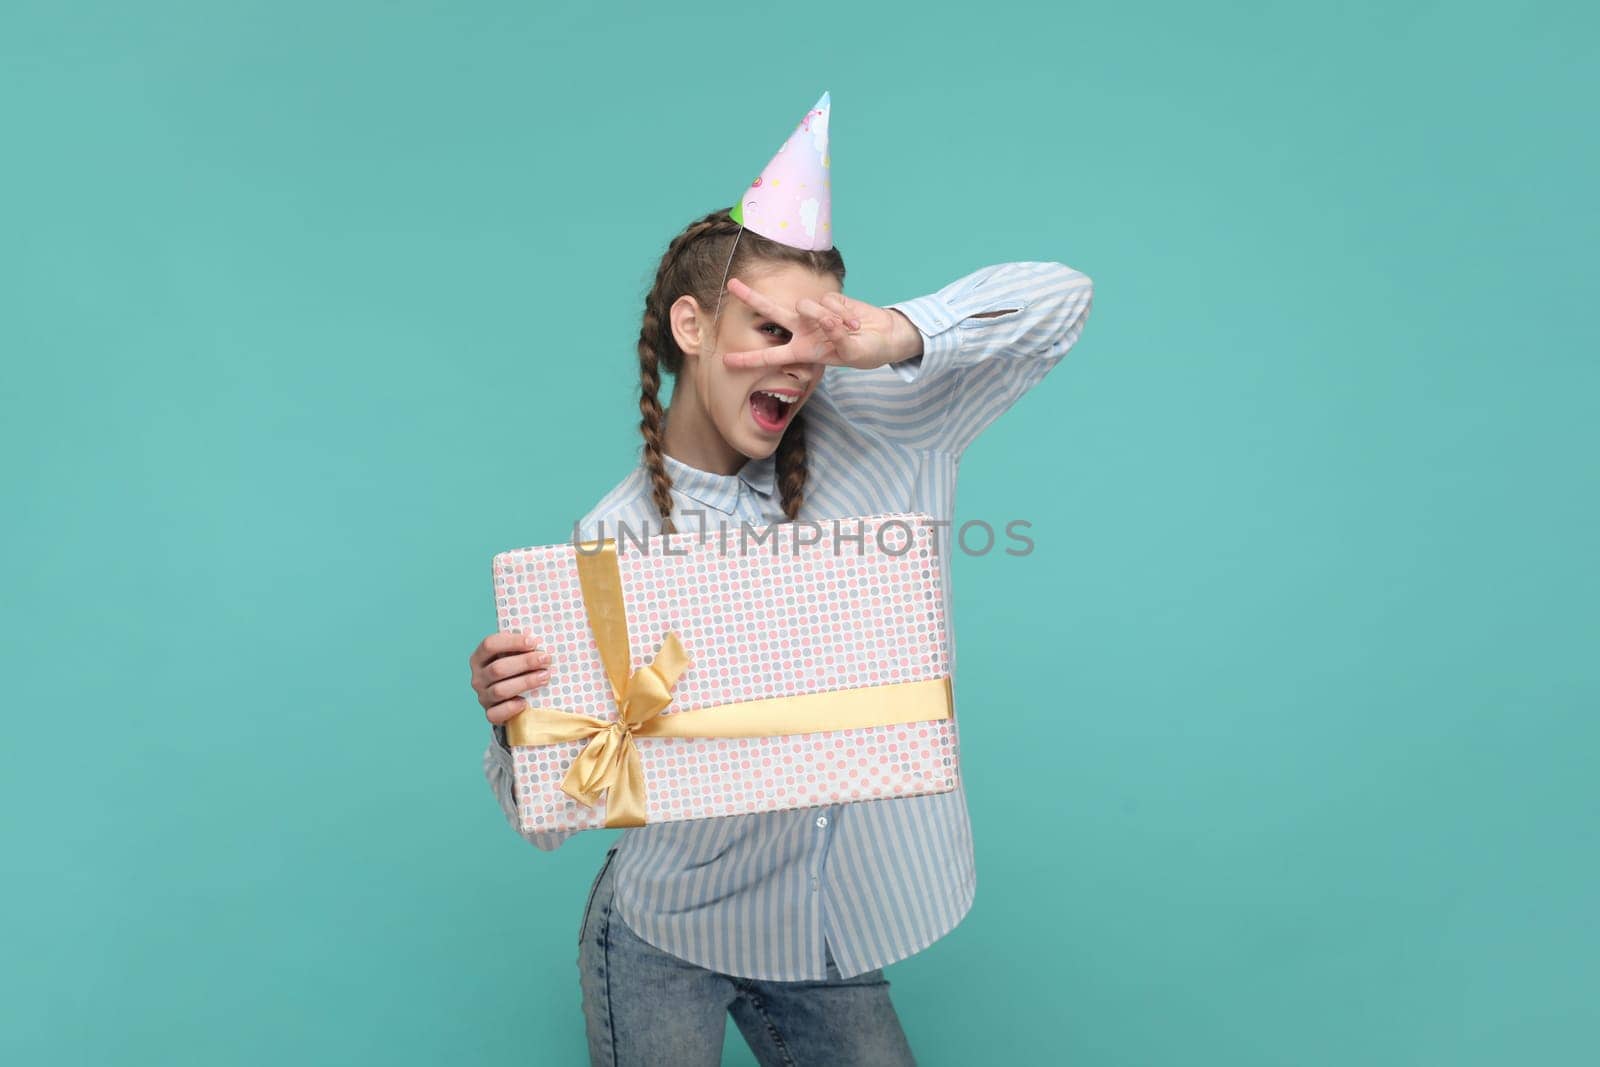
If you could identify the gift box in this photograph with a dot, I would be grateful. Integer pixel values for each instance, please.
(730, 671)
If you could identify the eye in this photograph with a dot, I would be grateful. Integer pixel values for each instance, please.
(782, 333)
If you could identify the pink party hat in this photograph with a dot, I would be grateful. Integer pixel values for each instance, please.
(791, 202)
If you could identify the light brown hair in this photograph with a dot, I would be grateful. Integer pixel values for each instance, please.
(697, 263)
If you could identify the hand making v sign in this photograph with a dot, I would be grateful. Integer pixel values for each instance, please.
(838, 330)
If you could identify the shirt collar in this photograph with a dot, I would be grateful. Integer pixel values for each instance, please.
(721, 491)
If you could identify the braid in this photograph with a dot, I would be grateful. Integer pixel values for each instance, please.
(698, 262)
(791, 466)
(651, 418)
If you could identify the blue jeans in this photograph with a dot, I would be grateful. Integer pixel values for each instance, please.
(643, 1006)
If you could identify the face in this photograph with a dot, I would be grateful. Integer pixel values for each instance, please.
(731, 401)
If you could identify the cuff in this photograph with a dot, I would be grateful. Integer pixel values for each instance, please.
(934, 319)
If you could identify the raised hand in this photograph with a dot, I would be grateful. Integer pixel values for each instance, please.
(836, 330)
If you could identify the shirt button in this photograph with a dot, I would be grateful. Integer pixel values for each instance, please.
(822, 820)
(813, 883)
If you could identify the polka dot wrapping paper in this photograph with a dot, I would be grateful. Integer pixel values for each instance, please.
(772, 611)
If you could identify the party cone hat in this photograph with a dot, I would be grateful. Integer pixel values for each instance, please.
(791, 201)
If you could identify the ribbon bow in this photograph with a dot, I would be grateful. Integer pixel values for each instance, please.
(610, 761)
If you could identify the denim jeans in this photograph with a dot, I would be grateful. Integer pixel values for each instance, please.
(643, 1006)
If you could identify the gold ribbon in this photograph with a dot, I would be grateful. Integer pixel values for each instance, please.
(610, 761)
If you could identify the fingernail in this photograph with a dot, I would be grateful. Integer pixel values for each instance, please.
(527, 640)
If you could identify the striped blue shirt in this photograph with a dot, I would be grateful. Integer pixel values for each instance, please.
(759, 895)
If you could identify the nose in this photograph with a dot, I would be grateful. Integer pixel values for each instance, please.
(799, 373)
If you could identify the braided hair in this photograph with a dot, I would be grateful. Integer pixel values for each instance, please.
(698, 263)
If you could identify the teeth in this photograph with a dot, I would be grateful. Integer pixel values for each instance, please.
(778, 396)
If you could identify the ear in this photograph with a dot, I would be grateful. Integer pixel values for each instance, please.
(690, 324)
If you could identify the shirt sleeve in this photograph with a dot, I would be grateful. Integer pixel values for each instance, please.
(500, 771)
(971, 369)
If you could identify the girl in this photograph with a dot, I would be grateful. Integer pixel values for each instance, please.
(793, 401)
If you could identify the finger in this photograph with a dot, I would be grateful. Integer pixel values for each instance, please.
(506, 666)
(819, 350)
(815, 349)
(509, 688)
(763, 357)
(762, 304)
(813, 314)
(825, 319)
(500, 714)
(498, 644)
(844, 307)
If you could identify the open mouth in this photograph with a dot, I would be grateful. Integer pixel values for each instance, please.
(772, 408)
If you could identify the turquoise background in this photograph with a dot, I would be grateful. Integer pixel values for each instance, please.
(309, 309)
